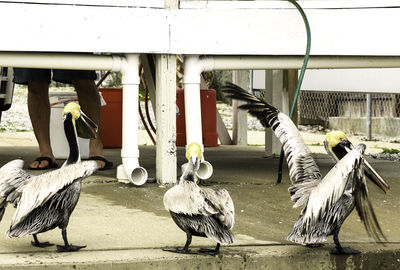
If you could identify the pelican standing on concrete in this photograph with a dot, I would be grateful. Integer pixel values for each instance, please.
(327, 201)
(46, 201)
(199, 211)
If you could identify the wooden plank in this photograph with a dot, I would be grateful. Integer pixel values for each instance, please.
(149, 77)
(166, 119)
(111, 3)
(219, 31)
(223, 134)
(282, 32)
(326, 4)
(239, 117)
(276, 94)
(69, 28)
(353, 80)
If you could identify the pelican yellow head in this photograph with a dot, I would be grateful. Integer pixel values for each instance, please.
(74, 109)
(194, 155)
(84, 126)
(335, 137)
(192, 150)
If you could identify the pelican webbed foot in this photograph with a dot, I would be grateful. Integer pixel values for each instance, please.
(181, 251)
(339, 250)
(185, 249)
(344, 251)
(316, 245)
(36, 243)
(209, 251)
(69, 248)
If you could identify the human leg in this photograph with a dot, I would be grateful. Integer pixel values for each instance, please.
(89, 99)
(39, 112)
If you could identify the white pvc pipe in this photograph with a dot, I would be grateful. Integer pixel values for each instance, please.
(130, 104)
(129, 68)
(60, 61)
(296, 62)
(191, 82)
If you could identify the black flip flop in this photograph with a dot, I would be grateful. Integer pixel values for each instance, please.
(107, 164)
(51, 164)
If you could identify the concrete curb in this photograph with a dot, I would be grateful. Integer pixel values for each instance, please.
(232, 257)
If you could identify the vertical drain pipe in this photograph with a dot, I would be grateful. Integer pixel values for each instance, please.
(191, 82)
(130, 169)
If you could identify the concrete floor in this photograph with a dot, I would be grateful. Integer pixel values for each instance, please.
(126, 227)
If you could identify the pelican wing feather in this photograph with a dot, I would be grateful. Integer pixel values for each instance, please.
(12, 180)
(222, 203)
(303, 170)
(189, 199)
(42, 187)
(366, 211)
(327, 193)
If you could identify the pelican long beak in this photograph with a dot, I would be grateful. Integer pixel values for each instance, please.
(375, 177)
(85, 127)
(196, 162)
(372, 174)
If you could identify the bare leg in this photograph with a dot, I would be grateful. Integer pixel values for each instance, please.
(339, 250)
(89, 100)
(185, 249)
(39, 112)
(36, 242)
(211, 251)
(67, 247)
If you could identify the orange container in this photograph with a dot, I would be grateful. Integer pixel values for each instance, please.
(208, 115)
(111, 117)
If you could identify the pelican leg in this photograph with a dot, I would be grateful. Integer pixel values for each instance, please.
(36, 242)
(67, 247)
(211, 251)
(339, 250)
(185, 249)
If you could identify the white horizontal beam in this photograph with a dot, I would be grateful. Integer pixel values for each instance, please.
(231, 28)
(110, 3)
(280, 4)
(353, 80)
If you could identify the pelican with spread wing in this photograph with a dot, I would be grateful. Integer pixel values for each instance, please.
(328, 200)
(46, 201)
(199, 211)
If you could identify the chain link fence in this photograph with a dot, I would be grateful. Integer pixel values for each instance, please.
(316, 108)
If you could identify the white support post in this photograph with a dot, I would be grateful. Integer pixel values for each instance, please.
(239, 121)
(166, 119)
(276, 93)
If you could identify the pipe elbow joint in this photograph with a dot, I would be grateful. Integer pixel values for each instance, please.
(129, 68)
(131, 170)
(194, 66)
(204, 172)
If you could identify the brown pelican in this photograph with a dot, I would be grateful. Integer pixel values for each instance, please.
(327, 201)
(199, 211)
(46, 201)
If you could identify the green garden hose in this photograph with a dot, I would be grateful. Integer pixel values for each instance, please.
(301, 76)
